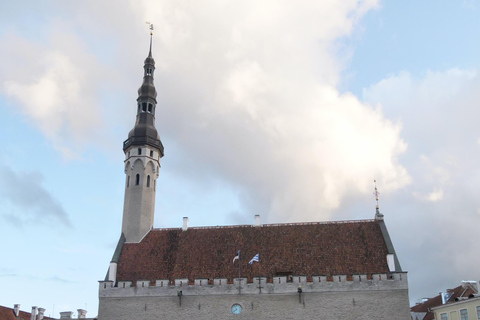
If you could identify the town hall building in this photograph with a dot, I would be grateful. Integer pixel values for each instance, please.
(316, 270)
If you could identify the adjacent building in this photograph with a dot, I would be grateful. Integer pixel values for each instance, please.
(424, 310)
(461, 309)
(36, 314)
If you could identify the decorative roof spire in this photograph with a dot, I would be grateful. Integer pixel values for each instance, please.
(144, 131)
(378, 215)
(151, 37)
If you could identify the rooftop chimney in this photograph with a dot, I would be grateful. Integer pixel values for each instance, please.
(33, 314)
(82, 314)
(112, 272)
(66, 315)
(391, 262)
(257, 220)
(16, 309)
(41, 312)
(185, 224)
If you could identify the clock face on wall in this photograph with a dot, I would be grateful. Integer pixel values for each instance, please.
(236, 309)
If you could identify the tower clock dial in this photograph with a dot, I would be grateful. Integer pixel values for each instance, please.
(236, 308)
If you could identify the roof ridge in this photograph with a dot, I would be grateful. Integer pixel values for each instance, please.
(270, 225)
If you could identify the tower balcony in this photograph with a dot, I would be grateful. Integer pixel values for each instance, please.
(144, 140)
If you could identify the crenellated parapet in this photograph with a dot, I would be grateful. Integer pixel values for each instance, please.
(259, 285)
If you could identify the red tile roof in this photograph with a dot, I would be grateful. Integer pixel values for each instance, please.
(9, 314)
(460, 291)
(353, 247)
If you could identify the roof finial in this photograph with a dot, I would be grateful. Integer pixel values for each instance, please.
(151, 34)
(378, 215)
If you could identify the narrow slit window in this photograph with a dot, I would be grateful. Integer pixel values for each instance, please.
(151, 153)
(137, 180)
(139, 151)
(148, 181)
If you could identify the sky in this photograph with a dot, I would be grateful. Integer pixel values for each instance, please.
(289, 110)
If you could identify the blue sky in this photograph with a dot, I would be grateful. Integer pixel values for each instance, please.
(285, 111)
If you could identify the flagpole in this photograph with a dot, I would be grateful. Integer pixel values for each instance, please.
(239, 280)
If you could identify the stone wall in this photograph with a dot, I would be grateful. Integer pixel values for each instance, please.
(392, 305)
(378, 298)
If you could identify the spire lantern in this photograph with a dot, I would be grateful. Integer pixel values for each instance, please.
(144, 131)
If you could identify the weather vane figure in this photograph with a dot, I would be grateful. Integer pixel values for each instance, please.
(150, 27)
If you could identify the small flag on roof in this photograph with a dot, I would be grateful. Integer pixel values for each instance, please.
(254, 259)
(236, 257)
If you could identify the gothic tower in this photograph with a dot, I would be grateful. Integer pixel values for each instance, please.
(143, 150)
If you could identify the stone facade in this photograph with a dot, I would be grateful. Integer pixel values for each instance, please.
(381, 297)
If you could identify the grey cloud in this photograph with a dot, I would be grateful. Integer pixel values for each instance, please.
(27, 199)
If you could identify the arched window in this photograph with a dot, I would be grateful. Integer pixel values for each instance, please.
(139, 150)
(137, 180)
(128, 181)
(148, 181)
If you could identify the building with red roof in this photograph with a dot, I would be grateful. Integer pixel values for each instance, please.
(318, 270)
(423, 310)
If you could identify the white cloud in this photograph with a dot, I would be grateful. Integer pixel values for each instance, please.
(247, 90)
(435, 195)
(56, 87)
(260, 109)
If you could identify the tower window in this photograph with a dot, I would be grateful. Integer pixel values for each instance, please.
(139, 151)
(149, 71)
(151, 153)
(150, 107)
(137, 179)
(128, 181)
(148, 181)
(144, 107)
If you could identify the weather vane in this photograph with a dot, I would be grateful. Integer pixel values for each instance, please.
(150, 27)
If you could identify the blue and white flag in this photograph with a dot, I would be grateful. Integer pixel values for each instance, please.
(236, 257)
(254, 259)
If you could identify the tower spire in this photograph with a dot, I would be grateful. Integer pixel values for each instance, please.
(143, 151)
